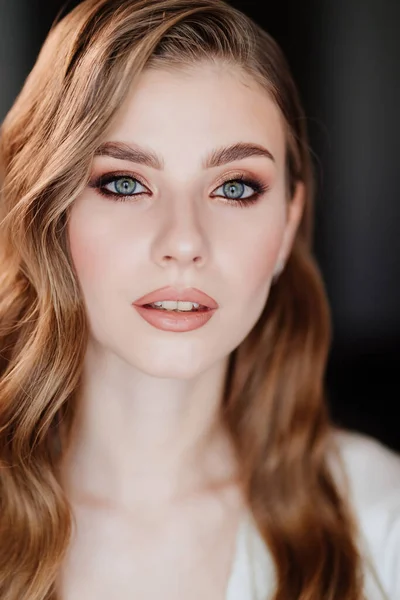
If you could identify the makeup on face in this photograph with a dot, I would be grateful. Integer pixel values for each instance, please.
(160, 209)
(170, 320)
(172, 310)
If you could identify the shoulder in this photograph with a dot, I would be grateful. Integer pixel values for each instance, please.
(373, 472)
(372, 468)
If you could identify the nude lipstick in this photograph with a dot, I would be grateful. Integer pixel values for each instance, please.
(170, 320)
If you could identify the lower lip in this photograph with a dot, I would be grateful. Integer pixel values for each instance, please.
(174, 321)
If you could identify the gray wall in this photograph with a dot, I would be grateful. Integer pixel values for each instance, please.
(16, 49)
(359, 88)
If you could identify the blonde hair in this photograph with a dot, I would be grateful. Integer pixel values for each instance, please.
(273, 402)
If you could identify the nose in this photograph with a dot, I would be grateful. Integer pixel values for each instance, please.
(181, 239)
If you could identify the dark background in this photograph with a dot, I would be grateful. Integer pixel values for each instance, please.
(345, 58)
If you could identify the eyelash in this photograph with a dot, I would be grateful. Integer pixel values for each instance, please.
(259, 188)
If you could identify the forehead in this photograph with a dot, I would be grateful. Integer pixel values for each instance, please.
(183, 113)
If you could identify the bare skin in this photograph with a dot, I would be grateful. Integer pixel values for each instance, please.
(151, 473)
(184, 552)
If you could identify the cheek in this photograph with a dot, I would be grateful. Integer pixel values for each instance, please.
(95, 245)
(250, 258)
(257, 252)
(261, 256)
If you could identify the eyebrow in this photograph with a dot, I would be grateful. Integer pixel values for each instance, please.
(215, 158)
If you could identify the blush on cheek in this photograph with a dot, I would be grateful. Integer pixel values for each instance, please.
(263, 264)
(85, 253)
(86, 262)
(264, 255)
(89, 238)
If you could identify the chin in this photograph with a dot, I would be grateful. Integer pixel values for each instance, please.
(168, 365)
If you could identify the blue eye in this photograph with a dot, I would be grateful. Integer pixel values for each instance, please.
(235, 192)
(236, 189)
(122, 186)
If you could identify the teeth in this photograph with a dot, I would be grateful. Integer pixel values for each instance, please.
(176, 305)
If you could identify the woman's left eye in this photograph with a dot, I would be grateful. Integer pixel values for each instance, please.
(240, 189)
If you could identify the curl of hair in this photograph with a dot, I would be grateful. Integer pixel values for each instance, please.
(273, 402)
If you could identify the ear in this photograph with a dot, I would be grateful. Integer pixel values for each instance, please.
(295, 208)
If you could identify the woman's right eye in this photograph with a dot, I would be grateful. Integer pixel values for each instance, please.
(121, 187)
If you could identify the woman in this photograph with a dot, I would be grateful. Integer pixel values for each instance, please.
(164, 328)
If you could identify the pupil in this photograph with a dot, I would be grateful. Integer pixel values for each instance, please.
(235, 189)
(125, 185)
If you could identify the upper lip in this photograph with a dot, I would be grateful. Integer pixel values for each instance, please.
(171, 293)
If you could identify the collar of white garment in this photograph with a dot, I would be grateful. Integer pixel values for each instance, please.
(252, 576)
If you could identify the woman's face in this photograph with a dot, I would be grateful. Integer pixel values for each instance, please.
(184, 228)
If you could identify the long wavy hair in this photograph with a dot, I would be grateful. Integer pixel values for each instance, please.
(273, 402)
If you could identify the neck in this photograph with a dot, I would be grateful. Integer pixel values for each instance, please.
(140, 440)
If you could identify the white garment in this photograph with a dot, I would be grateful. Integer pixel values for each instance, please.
(374, 476)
